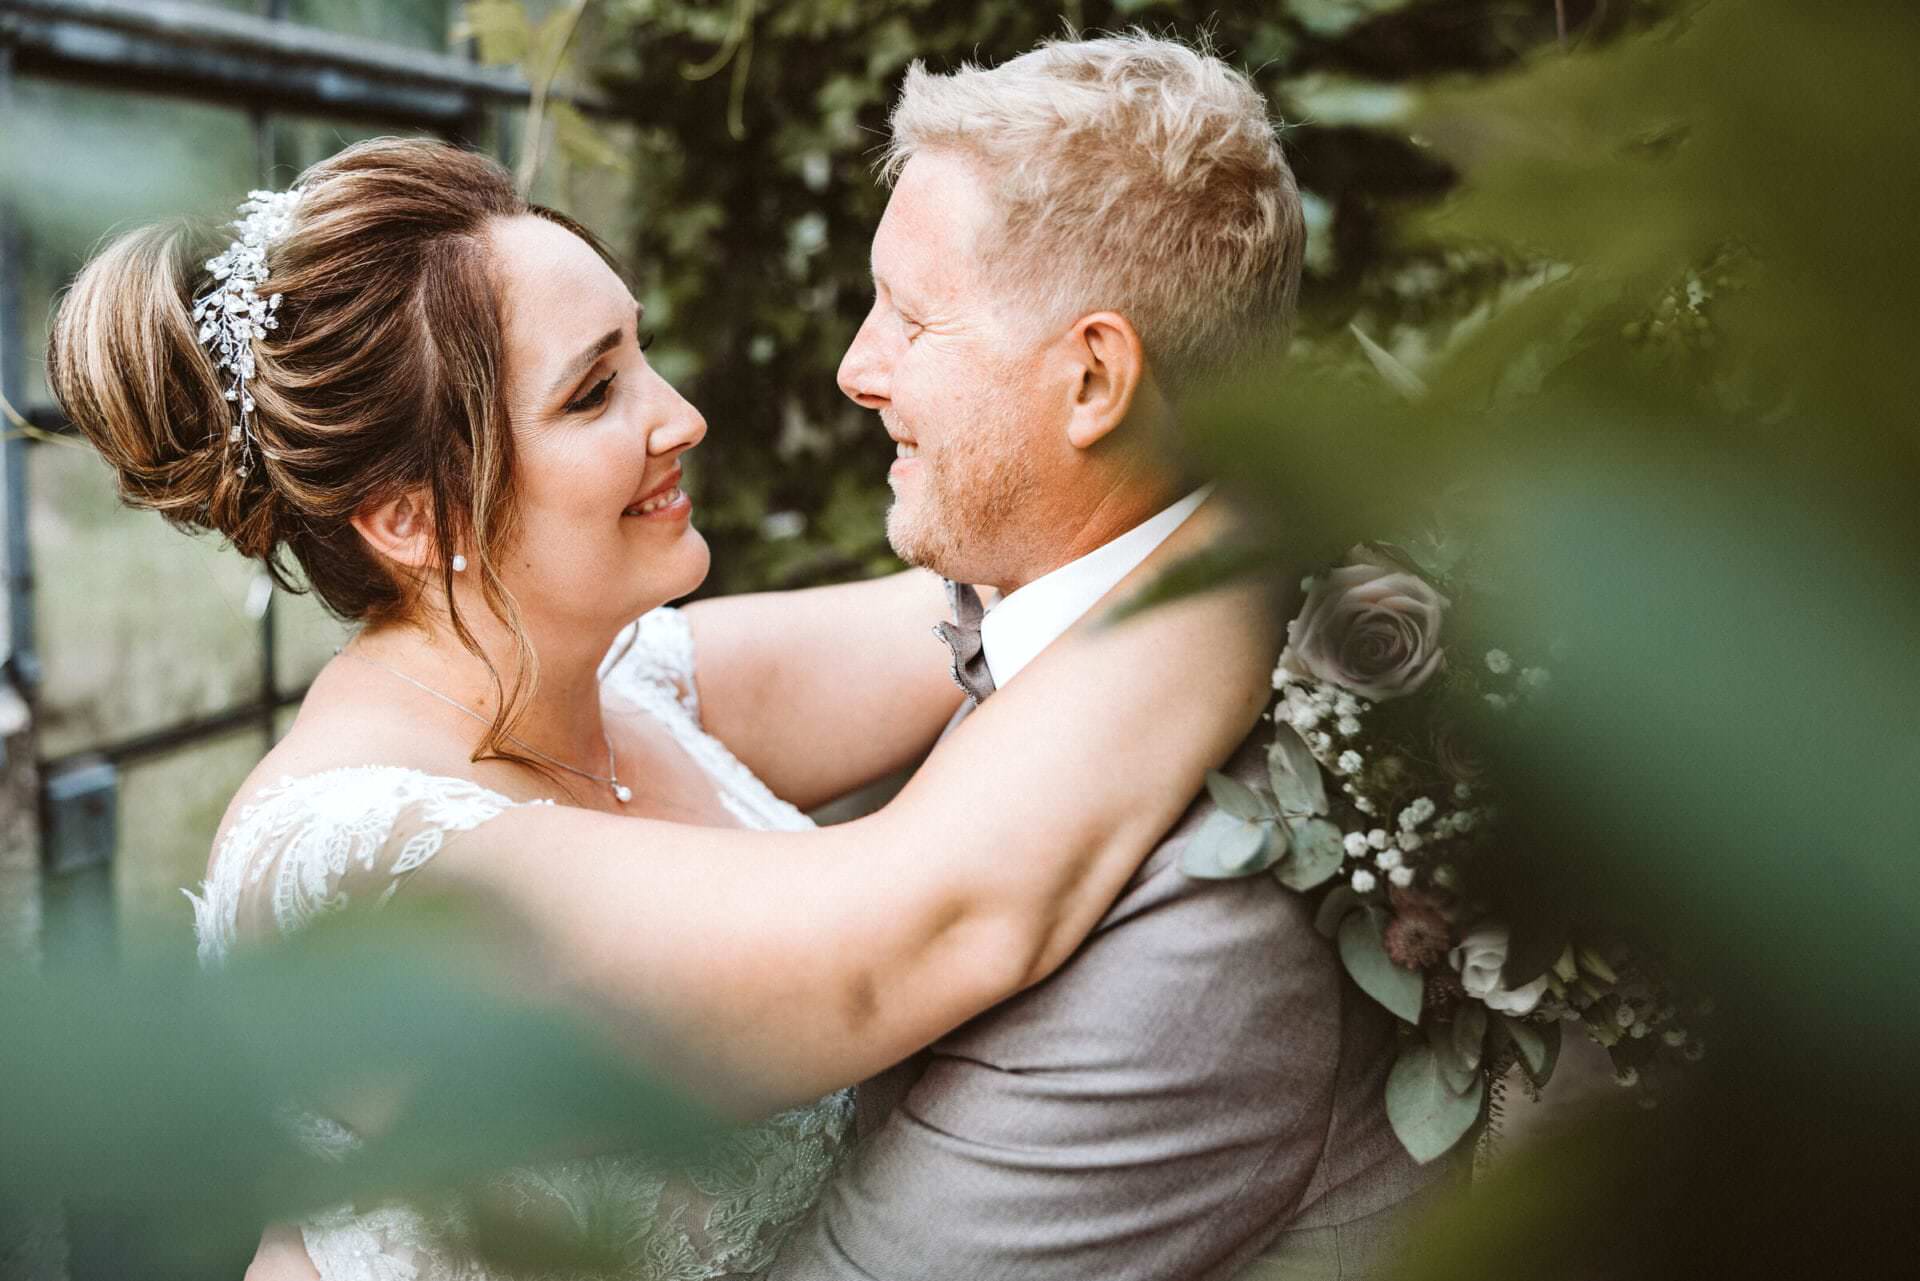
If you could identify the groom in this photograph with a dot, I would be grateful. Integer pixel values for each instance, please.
(1075, 241)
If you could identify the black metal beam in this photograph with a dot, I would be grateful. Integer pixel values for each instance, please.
(157, 742)
(213, 53)
(21, 655)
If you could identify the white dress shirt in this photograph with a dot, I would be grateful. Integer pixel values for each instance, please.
(1028, 620)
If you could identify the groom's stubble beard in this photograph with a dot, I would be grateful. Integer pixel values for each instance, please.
(977, 486)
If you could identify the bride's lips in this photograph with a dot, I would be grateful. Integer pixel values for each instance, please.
(665, 501)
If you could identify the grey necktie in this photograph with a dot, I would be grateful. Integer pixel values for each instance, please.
(962, 636)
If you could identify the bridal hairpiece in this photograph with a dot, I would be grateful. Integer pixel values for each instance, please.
(232, 314)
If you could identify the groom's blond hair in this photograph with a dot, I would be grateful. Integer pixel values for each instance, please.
(1134, 174)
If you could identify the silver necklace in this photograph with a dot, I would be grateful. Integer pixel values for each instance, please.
(621, 792)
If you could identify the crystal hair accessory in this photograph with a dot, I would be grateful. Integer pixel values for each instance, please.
(232, 314)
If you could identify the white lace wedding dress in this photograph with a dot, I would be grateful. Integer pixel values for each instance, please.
(313, 845)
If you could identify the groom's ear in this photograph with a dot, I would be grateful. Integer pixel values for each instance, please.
(398, 530)
(1111, 366)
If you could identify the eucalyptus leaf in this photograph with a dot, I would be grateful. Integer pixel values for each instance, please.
(1364, 953)
(1454, 1068)
(1298, 785)
(1469, 1031)
(1428, 1116)
(1235, 797)
(1317, 854)
(1333, 909)
(1225, 847)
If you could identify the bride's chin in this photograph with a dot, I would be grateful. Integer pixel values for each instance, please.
(686, 566)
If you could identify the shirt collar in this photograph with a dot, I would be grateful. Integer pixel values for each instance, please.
(1028, 620)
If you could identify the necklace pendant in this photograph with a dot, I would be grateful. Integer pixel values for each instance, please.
(622, 793)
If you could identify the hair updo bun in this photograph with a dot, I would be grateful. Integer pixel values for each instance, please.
(127, 366)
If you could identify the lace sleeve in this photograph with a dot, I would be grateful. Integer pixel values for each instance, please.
(308, 846)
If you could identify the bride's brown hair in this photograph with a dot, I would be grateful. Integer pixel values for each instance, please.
(385, 376)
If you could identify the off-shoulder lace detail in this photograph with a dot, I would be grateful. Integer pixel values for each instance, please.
(651, 670)
(305, 847)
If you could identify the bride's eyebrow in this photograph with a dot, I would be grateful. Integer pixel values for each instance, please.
(584, 361)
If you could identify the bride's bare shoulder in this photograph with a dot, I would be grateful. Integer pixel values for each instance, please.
(346, 722)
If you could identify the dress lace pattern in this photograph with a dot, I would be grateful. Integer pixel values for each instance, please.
(305, 847)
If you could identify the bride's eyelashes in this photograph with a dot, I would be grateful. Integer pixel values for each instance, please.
(596, 396)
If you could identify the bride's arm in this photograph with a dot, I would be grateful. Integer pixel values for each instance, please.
(792, 963)
(823, 690)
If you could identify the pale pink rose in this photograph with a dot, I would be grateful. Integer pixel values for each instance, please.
(1369, 628)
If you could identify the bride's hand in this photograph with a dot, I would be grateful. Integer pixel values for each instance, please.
(782, 965)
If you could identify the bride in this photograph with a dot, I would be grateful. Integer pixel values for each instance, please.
(432, 397)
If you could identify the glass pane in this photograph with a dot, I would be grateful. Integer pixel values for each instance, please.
(79, 162)
(170, 807)
(140, 626)
(299, 141)
(304, 638)
(423, 24)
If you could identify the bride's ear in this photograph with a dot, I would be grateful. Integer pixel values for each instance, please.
(399, 530)
(1111, 368)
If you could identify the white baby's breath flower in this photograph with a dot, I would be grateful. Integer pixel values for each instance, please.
(1464, 820)
(1417, 813)
(1363, 804)
(1378, 838)
(1628, 1078)
(1302, 716)
(1444, 876)
(1401, 877)
(1461, 792)
(1409, 841)
(1535, 678)
(1363, 882)
(1639, 1030)
(1498, 702)
(1349, 762)
(1346, 704)
(1356, 843)
(1387, 859)
(1624, 1016)
(1348, 725)
(1282, 678)
(1320, 742)
(1499, 662)
(1675, 1037)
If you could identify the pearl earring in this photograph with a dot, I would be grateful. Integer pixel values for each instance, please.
(459, 563)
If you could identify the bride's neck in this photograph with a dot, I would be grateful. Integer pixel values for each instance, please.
(563, 716)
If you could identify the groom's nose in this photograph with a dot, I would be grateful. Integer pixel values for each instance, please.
(865, 369)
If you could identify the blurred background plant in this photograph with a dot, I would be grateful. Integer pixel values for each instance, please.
(1632, 285)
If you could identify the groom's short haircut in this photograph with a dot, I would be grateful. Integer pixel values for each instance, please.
(1135, 174)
